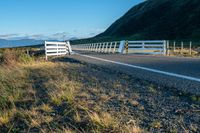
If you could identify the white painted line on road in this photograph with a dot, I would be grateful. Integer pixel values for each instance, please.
(144, 68)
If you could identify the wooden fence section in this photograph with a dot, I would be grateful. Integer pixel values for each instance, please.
(57, 48)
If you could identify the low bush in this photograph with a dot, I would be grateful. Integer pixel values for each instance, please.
(9, 57)
(15, 56)
(25, 59)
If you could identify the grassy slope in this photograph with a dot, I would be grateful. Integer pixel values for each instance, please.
(70, 96)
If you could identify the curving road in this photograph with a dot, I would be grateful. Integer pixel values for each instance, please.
(179, 73)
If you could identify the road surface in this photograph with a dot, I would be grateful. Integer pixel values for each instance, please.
(176, 72)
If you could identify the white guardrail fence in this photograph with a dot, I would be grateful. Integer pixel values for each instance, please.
(143, 47)
(106, 47)
(57, 48)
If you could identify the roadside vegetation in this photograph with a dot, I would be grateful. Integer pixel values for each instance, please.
(39, 96)
(66, 96)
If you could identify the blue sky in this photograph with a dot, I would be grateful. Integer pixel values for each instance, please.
(56, 19)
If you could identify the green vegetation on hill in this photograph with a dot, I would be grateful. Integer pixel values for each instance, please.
(159, 19)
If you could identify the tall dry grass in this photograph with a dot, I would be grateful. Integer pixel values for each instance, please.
(11, 57)
(44, 97)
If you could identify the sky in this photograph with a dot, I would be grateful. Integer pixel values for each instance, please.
(59, 19)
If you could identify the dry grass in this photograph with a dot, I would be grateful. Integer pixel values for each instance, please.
(6, 116)
(42, 94)
(67, 131)
(104, 120)
(132, 129)
(46, 108)
(13, 57)
(184, 52)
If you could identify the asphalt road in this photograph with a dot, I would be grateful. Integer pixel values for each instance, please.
(187, 69)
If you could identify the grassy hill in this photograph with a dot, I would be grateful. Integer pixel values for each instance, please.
(159, 19)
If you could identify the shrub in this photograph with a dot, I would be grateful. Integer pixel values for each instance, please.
(14, 56)
(25, 59)
(9, 57)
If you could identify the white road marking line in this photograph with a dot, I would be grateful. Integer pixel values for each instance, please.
(145, 68)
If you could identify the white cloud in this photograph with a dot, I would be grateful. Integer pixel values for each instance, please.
(6, 36)
(53, 36)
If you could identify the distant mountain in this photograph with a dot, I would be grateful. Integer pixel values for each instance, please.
(25, 42)
(16, 43)
(158, 19)
(73, 38)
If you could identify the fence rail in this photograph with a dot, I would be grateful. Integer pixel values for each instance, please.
(104, 47)
(148, 47)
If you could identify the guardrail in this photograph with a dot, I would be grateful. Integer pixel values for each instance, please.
(57, 48)
(104, 47)
(148, 47)
(143, 47)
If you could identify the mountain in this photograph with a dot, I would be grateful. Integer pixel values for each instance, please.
(16, 43)
(73, 38)
(158, 19)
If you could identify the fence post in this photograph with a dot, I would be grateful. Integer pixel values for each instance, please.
(190, 48)
(174, 46)
(164, 48)
(181, 47)
(102, 50)
(57, 48)
(93, 46)
(114, 50)
(121, 46)
(69, 47)
(97, 45)
(143, 45)
(90, 47)
(46, 51)
(168, 50)
(110, 47)
(106, 47)
(100, 47)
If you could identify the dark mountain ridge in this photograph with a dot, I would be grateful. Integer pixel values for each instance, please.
(158, 19)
